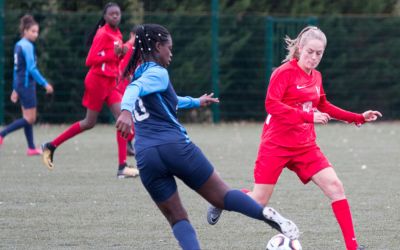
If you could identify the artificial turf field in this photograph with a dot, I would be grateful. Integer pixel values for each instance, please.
(82, 205)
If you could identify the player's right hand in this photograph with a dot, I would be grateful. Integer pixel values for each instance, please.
(14, 96)
(124, 123)
(322, 118)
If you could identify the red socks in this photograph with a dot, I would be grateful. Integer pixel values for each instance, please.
(121, 149)
(70, 132)
(75, 129)
(132, 135)
(341, 209)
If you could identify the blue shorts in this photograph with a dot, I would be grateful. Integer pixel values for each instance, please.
(27, 96)
(158, 165)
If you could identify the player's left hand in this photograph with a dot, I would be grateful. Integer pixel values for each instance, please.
(206, 100)
(124, 123)
(371, 115)
(49, 89)
(14, 96)
(117, 48)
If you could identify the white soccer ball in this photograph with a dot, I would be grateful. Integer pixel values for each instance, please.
(281, 242)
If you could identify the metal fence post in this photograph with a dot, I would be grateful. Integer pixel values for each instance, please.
(269, 51)
(215, 56)
(1, 61)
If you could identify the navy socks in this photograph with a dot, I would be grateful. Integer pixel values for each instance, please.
(17, 124)
(240, 202)
(186, 236)
(29, 136)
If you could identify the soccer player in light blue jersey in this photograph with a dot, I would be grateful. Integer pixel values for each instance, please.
(164, 150)
(26, 75)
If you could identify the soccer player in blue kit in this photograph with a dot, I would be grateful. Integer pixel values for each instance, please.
(163, 148)
(26, 75)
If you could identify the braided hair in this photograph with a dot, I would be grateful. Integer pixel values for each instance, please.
(308, 33)
(146, 37)
(99, 23)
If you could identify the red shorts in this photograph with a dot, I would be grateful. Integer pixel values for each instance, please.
(271, 161)
(99, 90)
(122, 84)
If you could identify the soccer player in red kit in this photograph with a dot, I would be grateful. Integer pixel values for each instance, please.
(104, 57)
(295, 101)
(123, 82)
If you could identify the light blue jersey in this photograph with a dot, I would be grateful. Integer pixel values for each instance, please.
(153, 102)
(26, 72)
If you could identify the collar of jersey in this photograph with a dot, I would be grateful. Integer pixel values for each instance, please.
(26, 40)
(108, 28)
(143, 67)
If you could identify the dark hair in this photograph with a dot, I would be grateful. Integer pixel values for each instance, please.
(99, 23)
(26, 22)
(146, 37)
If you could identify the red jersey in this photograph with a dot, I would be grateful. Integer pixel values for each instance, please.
(123, 82)
(292, 98)
(101, 58)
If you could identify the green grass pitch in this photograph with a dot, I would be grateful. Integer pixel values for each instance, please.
(82, 205)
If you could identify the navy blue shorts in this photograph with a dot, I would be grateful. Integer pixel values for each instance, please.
(158, 165)
(27, 96)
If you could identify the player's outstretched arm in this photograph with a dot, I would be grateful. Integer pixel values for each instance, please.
(188, 102)
(371, 115)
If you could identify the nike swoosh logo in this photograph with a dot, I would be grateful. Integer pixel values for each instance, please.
(300, 87)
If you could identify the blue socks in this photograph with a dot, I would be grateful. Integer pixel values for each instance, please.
(29, 136)
(17, 124)
(240, 202)
(186, 236)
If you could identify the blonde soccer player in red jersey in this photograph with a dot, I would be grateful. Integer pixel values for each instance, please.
(295, 101)
(103, 59)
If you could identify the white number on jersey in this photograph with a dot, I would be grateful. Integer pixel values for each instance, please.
(140, 115)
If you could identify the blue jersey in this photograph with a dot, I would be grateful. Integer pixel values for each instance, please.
(25, 71)
(153, 102)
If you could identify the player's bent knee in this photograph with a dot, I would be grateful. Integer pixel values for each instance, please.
(31, 120)
(173, 211)
(335, 190)
(87, 125)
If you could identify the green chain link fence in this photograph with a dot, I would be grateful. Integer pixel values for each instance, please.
(359, 68)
